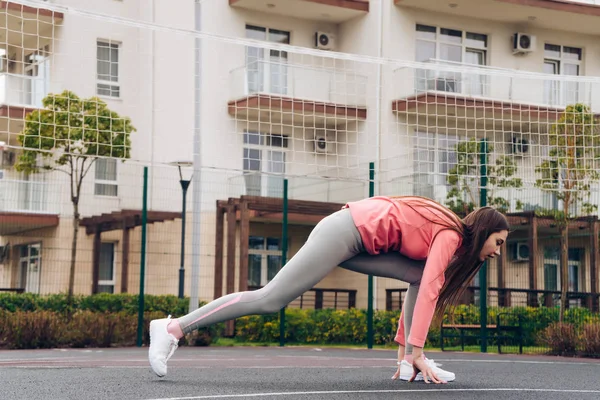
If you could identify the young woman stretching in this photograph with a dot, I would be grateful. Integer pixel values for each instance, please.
(416, 227)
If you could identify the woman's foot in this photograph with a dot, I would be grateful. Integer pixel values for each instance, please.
(162, 345)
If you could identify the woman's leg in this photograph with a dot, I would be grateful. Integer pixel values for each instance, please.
(387, 265)
(396, 266)
(334, 240)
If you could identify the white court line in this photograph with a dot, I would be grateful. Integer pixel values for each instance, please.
(279, 394)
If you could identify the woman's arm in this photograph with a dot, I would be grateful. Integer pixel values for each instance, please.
(440, 254)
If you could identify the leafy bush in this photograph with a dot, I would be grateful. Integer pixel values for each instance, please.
(102, 320)
(29, 321)
(561, 338)
(589, 340)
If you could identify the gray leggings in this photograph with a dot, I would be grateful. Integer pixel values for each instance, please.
(335, 241)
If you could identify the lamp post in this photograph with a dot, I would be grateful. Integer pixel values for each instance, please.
(185, 183)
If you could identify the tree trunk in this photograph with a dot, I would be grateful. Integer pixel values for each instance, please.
(74, 248)
(564, 269)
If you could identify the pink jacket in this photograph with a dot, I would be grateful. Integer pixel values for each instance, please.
(387, 224)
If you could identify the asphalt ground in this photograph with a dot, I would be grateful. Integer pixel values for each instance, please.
(285, 373)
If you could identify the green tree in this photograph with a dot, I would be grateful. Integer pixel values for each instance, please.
(68, 135)
(568, 172)
(463, 179)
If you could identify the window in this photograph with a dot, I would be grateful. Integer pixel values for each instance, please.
(562, 60)
(264, 163)
(433, 157)
(30, 265)
(106, 274)
(552, 268)
(267, 73)
(107, 69)
(106, 177)
(450, 45)
(264, 259)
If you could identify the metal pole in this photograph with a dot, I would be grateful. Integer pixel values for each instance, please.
(184, 187)
(284, 240)
(197, 177)
(483, 146)
(370, 278)
(140, 327)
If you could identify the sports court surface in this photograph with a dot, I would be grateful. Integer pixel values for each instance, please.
(285, 373)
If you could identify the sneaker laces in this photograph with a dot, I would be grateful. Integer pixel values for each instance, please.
(432, 363)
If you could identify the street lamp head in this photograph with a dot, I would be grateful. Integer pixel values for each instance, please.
(181, 163)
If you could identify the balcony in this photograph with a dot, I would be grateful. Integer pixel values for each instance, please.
(27, 27)
(25, 205)
(334, 11)
(19, 95)
(22, 91)
(299, 95)
(483, 96)
(558, 15)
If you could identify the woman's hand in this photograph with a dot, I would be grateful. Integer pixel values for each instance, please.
(419, 365)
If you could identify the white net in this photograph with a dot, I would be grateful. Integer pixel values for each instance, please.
(253, 101)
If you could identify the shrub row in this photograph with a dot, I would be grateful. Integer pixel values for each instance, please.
(48, 329)
(102, 302)
(33, 321)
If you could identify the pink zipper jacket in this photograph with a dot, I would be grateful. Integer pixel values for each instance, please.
(388, 224)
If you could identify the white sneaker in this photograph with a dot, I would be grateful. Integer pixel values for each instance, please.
(406, 371)
(162, 345)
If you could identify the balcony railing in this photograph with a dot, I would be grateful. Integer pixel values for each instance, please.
(433, 185)
(25, 196)
(22, 90)
(306, 82)
(504, 85)
(299, 187)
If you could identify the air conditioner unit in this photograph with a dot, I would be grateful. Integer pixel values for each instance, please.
(324, 41)
(325, 142)
(520, 252)
(519, 145)
(523, 43)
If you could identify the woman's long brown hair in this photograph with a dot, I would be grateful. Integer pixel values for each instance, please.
(474, 229)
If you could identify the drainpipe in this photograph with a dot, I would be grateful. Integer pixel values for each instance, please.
(197, 178)
(378, 110)
(152, 102)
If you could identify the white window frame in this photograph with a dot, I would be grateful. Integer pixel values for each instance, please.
(264, 259)
(572, 263)
(556, 92)
(107, 182)
(265, 146)
(109, 43)
(436, 178)
(452, 82)
(266, 70)
(111, 282)
(29, 259)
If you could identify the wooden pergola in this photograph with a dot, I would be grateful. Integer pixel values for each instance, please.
(124, 220)
(255, 208)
